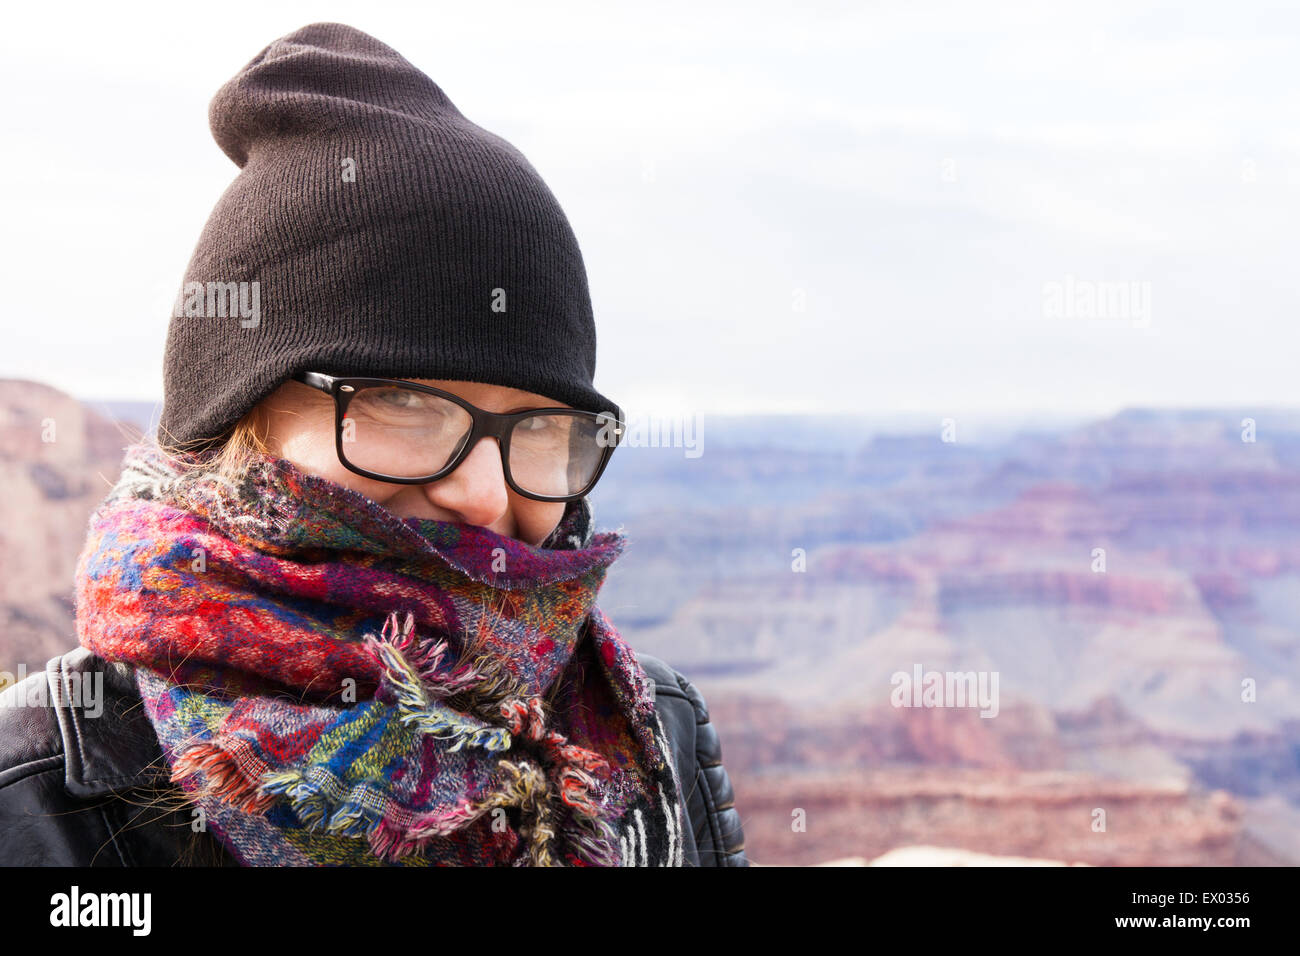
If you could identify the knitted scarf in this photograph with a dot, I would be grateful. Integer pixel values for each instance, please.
(335, 685)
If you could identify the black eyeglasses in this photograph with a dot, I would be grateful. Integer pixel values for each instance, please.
(409, 433)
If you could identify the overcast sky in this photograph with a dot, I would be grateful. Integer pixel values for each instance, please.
(814, 206)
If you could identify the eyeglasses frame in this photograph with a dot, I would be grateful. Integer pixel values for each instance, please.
(485, 425)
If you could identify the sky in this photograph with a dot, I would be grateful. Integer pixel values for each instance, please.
(912, 208)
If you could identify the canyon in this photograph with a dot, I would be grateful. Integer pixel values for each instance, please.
(1129, 585)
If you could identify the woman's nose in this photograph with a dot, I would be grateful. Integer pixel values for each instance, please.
(476, 490)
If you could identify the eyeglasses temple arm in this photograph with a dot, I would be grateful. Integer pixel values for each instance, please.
(316, 380)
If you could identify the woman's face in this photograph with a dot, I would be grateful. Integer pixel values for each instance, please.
(301, 429)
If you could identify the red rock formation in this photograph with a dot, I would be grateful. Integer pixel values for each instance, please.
(1008, 813)
(57, 461)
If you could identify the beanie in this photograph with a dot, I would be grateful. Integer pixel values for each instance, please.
(372, 230)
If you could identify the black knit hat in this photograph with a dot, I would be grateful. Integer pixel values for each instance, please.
(372, 230)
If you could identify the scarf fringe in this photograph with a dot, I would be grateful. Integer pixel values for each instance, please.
(415, 674)
(226, 781)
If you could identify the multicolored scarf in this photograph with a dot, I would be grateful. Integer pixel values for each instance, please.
(335, 685)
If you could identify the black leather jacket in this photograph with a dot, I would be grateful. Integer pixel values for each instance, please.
(76, 791)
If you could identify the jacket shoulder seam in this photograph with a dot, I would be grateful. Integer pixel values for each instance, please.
(30, 768)
(667, 690)
(701, 714)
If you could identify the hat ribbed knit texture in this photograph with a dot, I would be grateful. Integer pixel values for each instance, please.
(387, 236)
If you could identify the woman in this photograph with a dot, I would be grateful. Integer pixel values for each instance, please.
(360, 634)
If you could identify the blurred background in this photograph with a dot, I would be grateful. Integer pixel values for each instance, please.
(954, 338)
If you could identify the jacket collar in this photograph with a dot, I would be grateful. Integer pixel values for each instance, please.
(108, 742)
